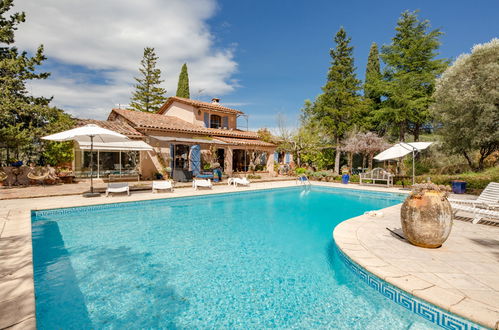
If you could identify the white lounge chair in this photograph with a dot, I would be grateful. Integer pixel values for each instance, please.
(486, 205)
(162, 185)
(117, 187)
(238, 181)
(206, 183)
(489, 196)
(478, 213)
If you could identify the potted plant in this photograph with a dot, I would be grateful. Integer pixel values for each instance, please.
(168, 171)
(426, 215)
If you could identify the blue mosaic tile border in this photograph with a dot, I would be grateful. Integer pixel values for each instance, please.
(91, 208)
(426, 310)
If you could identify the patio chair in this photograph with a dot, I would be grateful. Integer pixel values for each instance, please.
(202, 183)
(489, 198)
(117, 187)
(239, 181)
(478, 213)
(162, 185)
(486, 205)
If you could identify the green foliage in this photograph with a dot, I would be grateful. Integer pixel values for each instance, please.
(339, 107)
(300, 170)
(372, 94)
(467, 104)
(56, 153)
(23, 117)
(148, 96)
(473, 180)
(183, 83)
(409, 76)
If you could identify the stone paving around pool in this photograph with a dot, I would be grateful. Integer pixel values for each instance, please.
(462, 276)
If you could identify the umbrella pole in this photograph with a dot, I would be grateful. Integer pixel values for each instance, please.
(413, 169)
(91, 193)
(91, 164)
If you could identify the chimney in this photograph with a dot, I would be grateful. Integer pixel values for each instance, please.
(215, 100)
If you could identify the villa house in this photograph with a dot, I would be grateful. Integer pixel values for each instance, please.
(184, 134)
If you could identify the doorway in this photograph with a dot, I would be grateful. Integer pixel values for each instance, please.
(221, 158)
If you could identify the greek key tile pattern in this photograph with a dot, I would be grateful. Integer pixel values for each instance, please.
(430, 312)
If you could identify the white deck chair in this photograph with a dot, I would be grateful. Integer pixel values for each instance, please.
(162, 185)
(202, 183)
(117, 187)
(478, 213)
(489, 196)
(486, 205)
(238, 181)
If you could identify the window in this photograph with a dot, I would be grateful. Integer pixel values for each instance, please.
(215, 121)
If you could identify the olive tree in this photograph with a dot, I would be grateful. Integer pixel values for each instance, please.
(467, 104)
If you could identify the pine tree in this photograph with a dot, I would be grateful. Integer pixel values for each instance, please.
(410, 74)
(23, 117)
(371, 89)
(337, 109)
(183, 83)
(148, 96)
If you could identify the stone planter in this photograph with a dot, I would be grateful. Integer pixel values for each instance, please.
(426, 218)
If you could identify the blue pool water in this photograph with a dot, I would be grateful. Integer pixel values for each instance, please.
(261, 259)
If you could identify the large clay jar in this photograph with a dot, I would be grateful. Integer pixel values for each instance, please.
(426, 218)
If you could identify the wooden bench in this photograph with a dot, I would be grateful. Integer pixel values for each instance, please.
(377, 174)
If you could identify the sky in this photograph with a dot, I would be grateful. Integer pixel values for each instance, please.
(263, 57)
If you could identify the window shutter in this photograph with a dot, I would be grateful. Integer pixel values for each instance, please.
(225, 122)
(207, 120)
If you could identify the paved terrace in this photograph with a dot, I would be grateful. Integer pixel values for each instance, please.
(469, 261)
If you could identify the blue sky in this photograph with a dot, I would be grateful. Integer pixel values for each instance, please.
(262, 57)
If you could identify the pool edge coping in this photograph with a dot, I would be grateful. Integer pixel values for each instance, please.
(370, 262)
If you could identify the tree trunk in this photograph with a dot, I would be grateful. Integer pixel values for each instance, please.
(417, 130)
(337, 157)
(469, 160)
(371, 161)
(402, 131)
(350, 160)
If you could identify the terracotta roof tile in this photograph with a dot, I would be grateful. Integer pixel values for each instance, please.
(119, 127)
(198, 104)
(169, 123)
(246, 142)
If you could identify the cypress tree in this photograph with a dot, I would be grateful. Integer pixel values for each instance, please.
(373, 75)
(410, 74)
(371, 89)
(183, 83)
(337, 108)
(148, 96)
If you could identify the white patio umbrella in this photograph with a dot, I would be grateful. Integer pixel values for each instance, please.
(88, 133)
(401, 149)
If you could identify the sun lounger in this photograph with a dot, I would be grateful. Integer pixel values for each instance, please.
(162, 185)
(478, 213)
(117, 187)
(202, 183)
(239, 181)
(486, 205)
(489, 196)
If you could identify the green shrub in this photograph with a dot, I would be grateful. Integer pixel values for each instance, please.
(253, 176)
(473, 180)
(300, 170)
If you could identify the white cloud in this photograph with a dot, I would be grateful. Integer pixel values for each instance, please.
(97, 45)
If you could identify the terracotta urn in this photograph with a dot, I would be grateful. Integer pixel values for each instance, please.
(426, 217)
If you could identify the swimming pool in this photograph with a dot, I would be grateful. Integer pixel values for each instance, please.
(261, 259)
